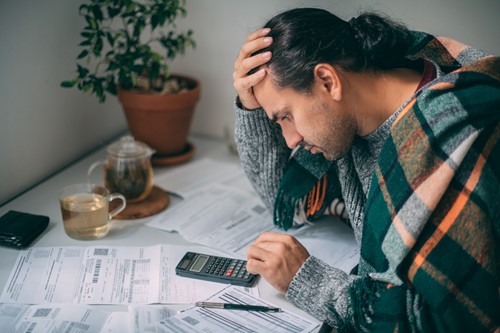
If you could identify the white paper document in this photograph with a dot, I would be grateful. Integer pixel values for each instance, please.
(222, 211)
(48, 318)
(202, 172)
(218, 216)
(222, 320)
(147, 318)
(104, 275)
(330, 240)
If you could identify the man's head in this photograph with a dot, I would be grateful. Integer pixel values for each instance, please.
(317, 120)
(309, 114)
(310, 50)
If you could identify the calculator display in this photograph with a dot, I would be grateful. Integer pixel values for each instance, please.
(200, 261)
(215, 269)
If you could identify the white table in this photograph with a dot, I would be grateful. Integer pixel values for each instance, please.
(43, 200)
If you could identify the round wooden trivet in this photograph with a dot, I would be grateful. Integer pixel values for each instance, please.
(155, 202)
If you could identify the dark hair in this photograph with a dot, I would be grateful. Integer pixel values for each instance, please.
(305, 37)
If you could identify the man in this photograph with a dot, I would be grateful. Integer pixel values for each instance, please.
(404, 128)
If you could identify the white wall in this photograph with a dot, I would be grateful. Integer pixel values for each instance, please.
(43, 127)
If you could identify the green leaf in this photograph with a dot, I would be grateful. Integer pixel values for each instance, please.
(155, 70)
(97, 47)
(82, 71)
(69, 84)
(130, 8)
(154, 21)
(165, 71)
(111, 85)
(113, 11)
(98, 89)
(112, 66)
(91, 22)
(96, 10)
(133, 79)
(83, 54)
(110, 38)
(102, 97)
(139, 26)
(125, 79)
(156, 57)
(87, 86)
(88, 35)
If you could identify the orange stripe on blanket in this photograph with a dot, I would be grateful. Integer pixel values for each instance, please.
(488, 65)
(452, 46)
(383, 188)
(404, 111)
(405, 236)
(443, 280)
(457, 207)
(418, 261)
(441, 86)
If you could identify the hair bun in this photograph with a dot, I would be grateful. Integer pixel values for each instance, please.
(383, 41)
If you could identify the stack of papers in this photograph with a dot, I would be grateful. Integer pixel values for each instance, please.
(50, 318)
(224, 212)
(105, 275)
(221, 212)
(222, 320)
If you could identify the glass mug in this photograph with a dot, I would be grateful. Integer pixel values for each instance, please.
(127, 169)
(85, 210)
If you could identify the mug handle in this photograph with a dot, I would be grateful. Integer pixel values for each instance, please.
(92, 167)
(118, 209)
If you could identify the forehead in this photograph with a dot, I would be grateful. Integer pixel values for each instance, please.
(272, 98)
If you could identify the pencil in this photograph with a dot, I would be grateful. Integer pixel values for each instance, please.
(229, 306)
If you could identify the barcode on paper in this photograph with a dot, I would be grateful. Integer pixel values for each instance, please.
(76, 327)
(190, 320)
(96, 271)
(101, 252)
(42, 312)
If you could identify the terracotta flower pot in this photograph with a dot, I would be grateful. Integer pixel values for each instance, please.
(162, 121)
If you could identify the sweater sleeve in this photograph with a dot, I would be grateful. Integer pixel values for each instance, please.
(262, 150)
(322, 291)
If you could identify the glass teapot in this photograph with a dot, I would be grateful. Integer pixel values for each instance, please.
(127, 169)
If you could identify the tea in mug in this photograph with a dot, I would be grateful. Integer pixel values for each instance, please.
(85, 210)
(85, 215)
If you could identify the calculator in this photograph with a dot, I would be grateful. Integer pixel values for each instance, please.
(215, 269)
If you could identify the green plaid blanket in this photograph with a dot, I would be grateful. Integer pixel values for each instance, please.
(430, 252)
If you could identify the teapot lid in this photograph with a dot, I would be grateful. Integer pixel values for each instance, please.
(127, 147)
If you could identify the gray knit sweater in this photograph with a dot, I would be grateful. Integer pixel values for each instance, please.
(264, 154)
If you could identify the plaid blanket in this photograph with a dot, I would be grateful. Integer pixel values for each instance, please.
(430, 252)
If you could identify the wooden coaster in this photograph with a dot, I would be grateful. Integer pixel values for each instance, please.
(155, 202)
(167, 160)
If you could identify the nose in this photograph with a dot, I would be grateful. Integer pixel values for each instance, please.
(291, 135)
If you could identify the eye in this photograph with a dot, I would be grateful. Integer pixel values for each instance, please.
(284, 116)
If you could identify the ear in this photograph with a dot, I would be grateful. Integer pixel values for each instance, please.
(328, 79)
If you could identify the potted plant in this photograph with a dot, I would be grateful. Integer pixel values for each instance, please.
(127, 46)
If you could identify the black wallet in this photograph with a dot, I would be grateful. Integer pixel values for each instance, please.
(19, 229)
